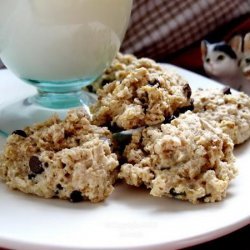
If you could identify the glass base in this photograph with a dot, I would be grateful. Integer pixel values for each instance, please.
(23, 113)
(61, 95)
(62, 100)
(51, 98)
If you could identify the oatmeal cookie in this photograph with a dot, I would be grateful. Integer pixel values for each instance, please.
(69, 159)
(187, 159)
(230, 111)
(143, 97)
(121, 66)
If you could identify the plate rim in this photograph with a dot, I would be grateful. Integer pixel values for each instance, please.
(185, 242)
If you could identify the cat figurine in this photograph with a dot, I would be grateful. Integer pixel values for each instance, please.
(221, 63)
(241, 46)
(245, 61)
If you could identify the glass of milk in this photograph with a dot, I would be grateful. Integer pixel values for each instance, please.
(60, 46)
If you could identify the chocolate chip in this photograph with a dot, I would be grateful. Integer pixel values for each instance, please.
(187, 90)
(31, 176)
(144, 98)
(76, 196)
(154, 82)
(122, 160)
(192, 104)
(67, 175)
(90, 88)
(169, 119)
(20, 133)
(123, 137)
(35, 165)
(202, 199)
(173, 193)
(114, 128)
(105, 82)
(164, 168)
(68, 134)
(46, 164)
(226, 91)
(59, 186)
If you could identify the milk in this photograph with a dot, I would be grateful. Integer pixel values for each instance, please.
(61, 40)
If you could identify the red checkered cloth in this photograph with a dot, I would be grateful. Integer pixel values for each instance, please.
(161, 27)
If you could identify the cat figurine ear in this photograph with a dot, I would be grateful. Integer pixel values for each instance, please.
(241, 46)
(245, 61)
(236, 44)
(203, 49)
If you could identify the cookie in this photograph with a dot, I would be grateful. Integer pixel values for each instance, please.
(187, 159)
(230, 111)
(69, 159)
(121, 66)
(144, 97)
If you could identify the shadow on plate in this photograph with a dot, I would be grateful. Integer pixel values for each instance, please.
(29, 200)
(242, 149)
(123, 195)
(139, 198)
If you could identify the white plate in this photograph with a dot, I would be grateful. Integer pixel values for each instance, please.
(129, 219)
